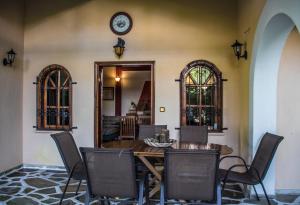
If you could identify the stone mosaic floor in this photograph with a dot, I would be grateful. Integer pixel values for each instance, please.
(26, 186)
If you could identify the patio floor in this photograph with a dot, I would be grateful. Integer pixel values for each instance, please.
(26, 186)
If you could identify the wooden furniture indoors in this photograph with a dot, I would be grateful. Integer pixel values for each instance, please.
(127, 127)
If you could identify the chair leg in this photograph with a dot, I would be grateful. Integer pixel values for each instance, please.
(104, 201)
(65, 189)
(87, 197)
(255, 193)
(147, 189)
(266, 195)
(219, 195)
(224, 184)
(141, 192)
(162, 194)
(107, 201)
(78, 187)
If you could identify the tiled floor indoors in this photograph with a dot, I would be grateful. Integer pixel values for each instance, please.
(26, 186)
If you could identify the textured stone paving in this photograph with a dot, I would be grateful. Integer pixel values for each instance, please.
(25, 186)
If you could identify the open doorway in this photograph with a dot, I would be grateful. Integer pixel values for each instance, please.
(124, 99)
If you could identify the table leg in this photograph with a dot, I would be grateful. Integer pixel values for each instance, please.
(150, 167)
(154, 190)
(155, 172)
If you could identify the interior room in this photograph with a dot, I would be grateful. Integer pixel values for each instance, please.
(126, 96)
(189, 101)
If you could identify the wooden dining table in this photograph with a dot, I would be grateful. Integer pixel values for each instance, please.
(144, 152)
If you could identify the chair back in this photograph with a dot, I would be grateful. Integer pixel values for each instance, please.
(196, 134)
(191, 174)
(67, 149)
(264, 154)
(110, 172)
(127, 126)
(150, 130)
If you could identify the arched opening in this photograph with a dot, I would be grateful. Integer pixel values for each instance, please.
(271, 36)
(288, 112)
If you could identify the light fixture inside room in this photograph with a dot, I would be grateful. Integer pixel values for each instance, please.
(239, 50)
(117, 78)
(10, 58)
(119, 47)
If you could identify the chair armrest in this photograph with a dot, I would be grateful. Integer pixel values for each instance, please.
(232, 156)
(232, 167)
(247, 168)
(238, 165)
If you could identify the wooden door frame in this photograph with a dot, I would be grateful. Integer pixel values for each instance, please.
(98, 68)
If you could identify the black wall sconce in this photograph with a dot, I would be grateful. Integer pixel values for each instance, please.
(10, 58)
(119, 47)
(239, 50)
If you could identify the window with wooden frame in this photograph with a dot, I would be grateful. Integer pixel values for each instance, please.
(54, 99)
(201, 95)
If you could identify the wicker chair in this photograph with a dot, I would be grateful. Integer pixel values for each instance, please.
(71, 159)
(196, 134)
(111, 173)
(255, 173)
(191, 175)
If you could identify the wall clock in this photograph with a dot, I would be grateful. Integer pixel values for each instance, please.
(120, 23)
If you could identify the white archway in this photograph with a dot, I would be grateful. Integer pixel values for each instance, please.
(277, 20)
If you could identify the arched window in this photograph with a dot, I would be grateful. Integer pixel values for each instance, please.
(54, 99)
(201, 95)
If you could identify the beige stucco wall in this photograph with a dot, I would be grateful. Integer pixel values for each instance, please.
(248, 16)
(288, 110)
(172, 33)
(11, 36)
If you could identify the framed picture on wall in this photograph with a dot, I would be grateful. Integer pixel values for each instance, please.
(108, 93)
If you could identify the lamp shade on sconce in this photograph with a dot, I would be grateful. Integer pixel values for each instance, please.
(119, 51)
(238, 48)
(119, 47)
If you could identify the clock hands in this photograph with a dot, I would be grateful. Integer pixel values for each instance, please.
(121, 23)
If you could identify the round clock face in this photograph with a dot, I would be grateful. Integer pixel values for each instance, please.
(120, 23)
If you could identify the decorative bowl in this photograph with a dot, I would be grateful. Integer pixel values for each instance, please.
(154, 142)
